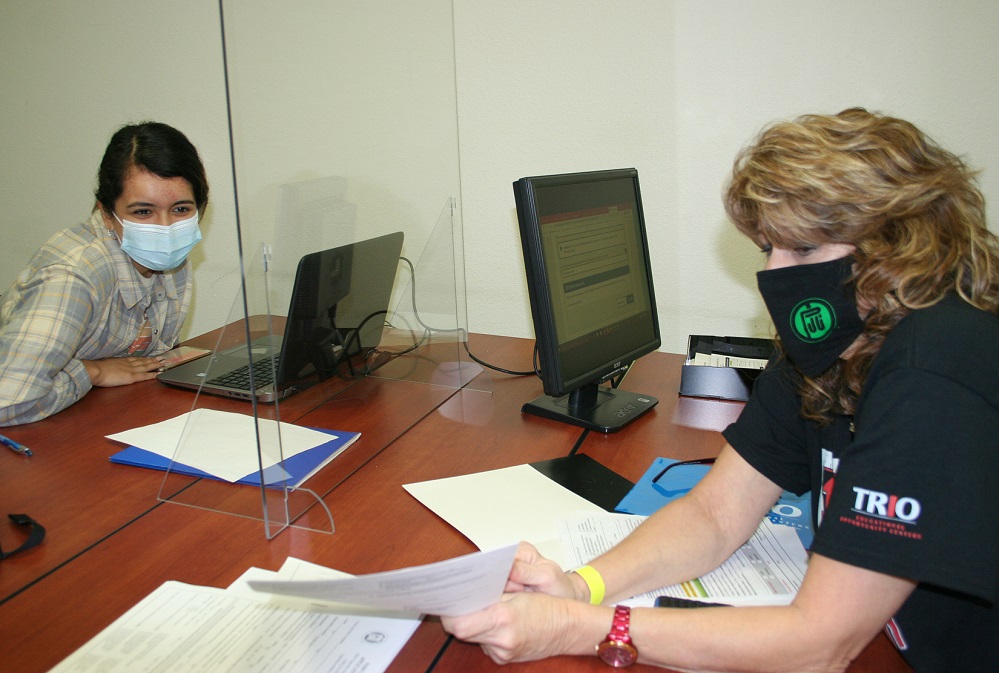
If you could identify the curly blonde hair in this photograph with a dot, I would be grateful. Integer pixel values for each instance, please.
(912, 210)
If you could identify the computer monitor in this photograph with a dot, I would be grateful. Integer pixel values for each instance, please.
(592, 298)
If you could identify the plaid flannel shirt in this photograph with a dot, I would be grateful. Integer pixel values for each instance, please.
(79, 298)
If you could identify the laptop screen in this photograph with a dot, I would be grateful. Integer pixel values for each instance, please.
(336, 312)
(338, 306)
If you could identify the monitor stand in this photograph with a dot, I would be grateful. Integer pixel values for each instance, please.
(593, 407)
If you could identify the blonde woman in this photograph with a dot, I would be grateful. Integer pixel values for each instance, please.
(882, 281)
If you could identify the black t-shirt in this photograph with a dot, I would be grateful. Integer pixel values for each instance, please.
(910, 485)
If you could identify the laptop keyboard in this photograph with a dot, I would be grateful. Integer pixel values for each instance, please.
(263, 374)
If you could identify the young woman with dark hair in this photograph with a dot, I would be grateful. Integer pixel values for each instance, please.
(99, 302)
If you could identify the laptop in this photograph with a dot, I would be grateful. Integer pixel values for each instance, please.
(336, 313)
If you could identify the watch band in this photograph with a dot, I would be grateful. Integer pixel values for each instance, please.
(594, 582)
(617, 649)
(621, 626)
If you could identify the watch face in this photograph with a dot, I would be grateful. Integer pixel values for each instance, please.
(617, 653)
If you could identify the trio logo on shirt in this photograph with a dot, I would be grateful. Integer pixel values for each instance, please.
(872, 510)
(885, 513)
(886, 506)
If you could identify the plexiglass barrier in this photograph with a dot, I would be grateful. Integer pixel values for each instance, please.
(431, 310)
(332, 331)
(343, 131)
(233, 453)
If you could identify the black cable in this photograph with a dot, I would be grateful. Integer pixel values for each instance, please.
(461, 332)
(511, 372)
(579, 442)
(351, 339)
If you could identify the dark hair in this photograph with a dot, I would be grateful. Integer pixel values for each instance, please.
(154, 147)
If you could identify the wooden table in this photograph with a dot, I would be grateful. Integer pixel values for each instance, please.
(71, 488)
(111, 542)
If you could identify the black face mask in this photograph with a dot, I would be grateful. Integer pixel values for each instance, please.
(814, 311)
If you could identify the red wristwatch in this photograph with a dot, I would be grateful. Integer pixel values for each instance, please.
(617, 650)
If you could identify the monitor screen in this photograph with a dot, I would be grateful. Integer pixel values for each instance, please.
(590, 285)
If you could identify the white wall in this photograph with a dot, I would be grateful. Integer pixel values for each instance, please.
(676, 89)
(352, 92)
(672, 88)
(70, 74)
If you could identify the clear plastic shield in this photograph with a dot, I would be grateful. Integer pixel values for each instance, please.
(344, 177)
(426, 332)
(327, 337)
(232, 452)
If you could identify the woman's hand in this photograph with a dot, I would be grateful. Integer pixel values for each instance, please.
(112, 372)
(523, 626)
(532, 620)
(533, 572)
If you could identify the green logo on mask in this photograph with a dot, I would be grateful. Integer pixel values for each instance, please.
(812, 320)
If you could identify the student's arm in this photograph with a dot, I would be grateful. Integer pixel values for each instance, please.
(41, 334)
(112, 372)
(42, 328)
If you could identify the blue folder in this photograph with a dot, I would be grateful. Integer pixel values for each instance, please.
(292, 473)
(647, 497)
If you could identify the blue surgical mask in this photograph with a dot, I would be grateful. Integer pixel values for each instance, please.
(160, 247)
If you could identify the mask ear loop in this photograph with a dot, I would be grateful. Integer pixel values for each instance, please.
(35, 535)
(111, 232)
(114, 232)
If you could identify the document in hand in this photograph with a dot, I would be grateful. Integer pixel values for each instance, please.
(457, 586)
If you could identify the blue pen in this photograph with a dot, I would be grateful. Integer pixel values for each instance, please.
(16, 447)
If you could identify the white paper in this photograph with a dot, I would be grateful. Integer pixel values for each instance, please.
(296, 569)
(299, 570)
(188, 629)
(453, 587)
(503, 507)
(767, 570)
(221, 443)
(719, 360)
(292, 569)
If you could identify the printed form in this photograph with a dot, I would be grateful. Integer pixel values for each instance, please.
(766, 570)
(192, 629)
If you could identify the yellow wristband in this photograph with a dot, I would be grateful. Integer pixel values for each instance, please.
(594, 582)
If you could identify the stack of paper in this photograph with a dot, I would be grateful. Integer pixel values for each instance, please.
(181, 628)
